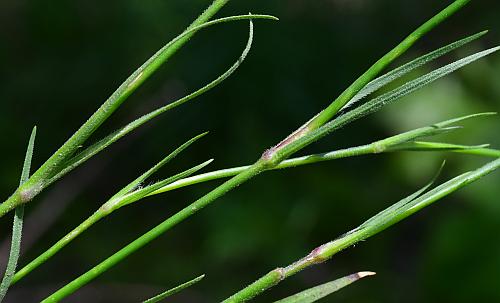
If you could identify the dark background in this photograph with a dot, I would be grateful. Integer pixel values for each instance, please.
(61, 59)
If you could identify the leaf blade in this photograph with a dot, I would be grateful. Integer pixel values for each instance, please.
(120, 133)
(399, 72)
(319, 292)
(17, 225)
(174, 290)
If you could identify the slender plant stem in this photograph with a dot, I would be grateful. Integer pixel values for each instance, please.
(328, 113)
(377, 224)
(267, 161)
(237, 180)
(372, 148)
(245, 173)
(36, 183)
(385, 145)
(17, 226)
(105, 142)
(242, 174)
(383, 62)
(398, 142)
(98, 215)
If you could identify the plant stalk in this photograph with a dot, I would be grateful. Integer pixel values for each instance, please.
(329, 112)
(383, 62)
(328, 250)
(76, 284)
(268, 160)
(37, 182)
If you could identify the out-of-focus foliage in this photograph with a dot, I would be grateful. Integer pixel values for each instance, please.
(59, 62)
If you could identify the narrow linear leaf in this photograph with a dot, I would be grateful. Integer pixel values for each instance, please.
(387, 213)
(328, 113)
(407, 207)
(399, 72)
(394, 143)
(168, 293)
(132, 185)
(146, 191)
(115, 136)
(319, 292)
(53, 167)
(377, 103)
(436, 146)
(460, 119)
(414, 85)
(371, 227)
(17, 226)
(106, 209)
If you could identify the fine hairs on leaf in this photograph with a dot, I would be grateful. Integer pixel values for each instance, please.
(316, 293)
(400, 142)
(66, 158)
(59, 163)
(328, 113)
(134, 184)
(377, 103)
(371, 227)
(17, 226)
(405, 69)
(127, 195)
(313, 131)
(173, 291)
(115, 136)
(130, 193)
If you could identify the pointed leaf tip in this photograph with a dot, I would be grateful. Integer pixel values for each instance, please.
(364, 274)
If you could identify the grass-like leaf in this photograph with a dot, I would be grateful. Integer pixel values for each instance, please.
(416, 84)
(60, 162)
(267, 161)
(115, 136)
(369, 228)
(399, 72)
(131, 84)
(328, 113)
(146, 191)
(373, 105)
(128, 195)
(17, 226)
(134, 184)
(402, 142)
(314, 294)
(170, 292)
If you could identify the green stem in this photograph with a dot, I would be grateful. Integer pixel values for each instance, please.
(98, 215)
(382, 63)
(124, 197)
(36, 183)
(373, 148)
(344, 98)
(237, 180)
(386, 145)
(118, 97)
(266, 162)
(241, 175)
(377, 225)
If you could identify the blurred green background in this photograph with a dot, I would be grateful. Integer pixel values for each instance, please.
(61, 59)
